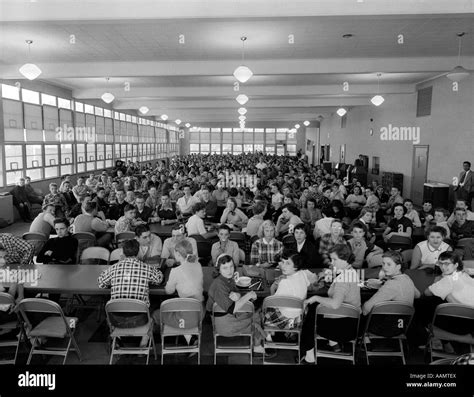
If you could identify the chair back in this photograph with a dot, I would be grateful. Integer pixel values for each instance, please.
(465, 242)
(242, 255)
(399, 243)
(6, 299)
(84, 240)
(95, 256)
(184, 307)
(39, 305)
(115, 255)
(248, 308)
(239, 238)
(407, 255)
(38, 240)
(454, 310)
(390, 319)
(124, 236)
(125, 306)
(282, 301)
(204, 247)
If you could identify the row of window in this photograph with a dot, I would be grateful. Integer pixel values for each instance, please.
(225, 148)
(238, 136)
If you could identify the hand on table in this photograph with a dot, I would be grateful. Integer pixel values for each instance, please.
(234, 296)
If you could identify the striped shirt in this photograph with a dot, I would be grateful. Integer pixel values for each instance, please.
(263, 251)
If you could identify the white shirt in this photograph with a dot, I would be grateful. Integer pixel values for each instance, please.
(296, 286)
(195, 225)
(429, 255)
(277, 198)
(459, 284)
(323, 226)
(186, 207)
(465, 178)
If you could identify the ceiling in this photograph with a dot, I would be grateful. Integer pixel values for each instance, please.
(300, 62)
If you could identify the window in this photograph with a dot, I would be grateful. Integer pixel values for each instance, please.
(51, 155)
(100, 152)
(248, 148)
(88, 109)
(34, 156)
(35, 174)
(216, 148)
(10, 92)
(194, 148)
(270, 149)
(50, 172)
(215, 130)
(107, 113)
(48, 100)
(30, 96)
(90, 152)
(122, 116)
(227, 130)
(226, 148)
(81, 153)
(66, 154)
(134, 119)
(79, 107)
(291, 150)
(205, 148)
(123, 152)
(13, 176)
(91, 166)
(108, 155)
(13, 157)
(66, 169)
(116, 115)
(128, 118)
(99, 111)
(237, 149)
(64, 103)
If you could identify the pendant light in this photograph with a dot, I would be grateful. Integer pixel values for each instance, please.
(177, 121)
(242, 111)
(341, 112)
(187, 125)
(243, 73)
(458, 73)
(107, 97)
(297, 126)
(164, 117)
(306, 123)
(242, 99)
(143, 110)
(30, 70)
(377, 100)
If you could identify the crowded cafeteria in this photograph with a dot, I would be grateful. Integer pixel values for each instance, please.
(236, 184)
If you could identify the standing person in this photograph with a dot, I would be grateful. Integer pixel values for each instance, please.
(465, 187)
(62, 249)
(20, 200)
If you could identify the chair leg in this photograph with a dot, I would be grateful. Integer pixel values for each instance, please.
(112, 352)
(154, 347)
(30, 356)
(162, 348)
(401, 350)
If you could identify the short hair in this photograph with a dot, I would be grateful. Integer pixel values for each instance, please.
(442, 210)
(232, 199)
(179, 226)
(131, 247)
(343, 251)
(437, 229)
(312, 200)
(399, 205)
(298, 261)
(61, 220)
(292, 208)
(397, 258)
(407, 201)
(325, 188)
(223, 226)
(223, 259)
(141, 229)
(44, 207)
(120, 189)
(100, 189)
(457, 209)
(185, 249)
(258, 207)
(365, 211)
(198, 207)
(467, 162)
(129, 207)
(300, 226)
(427, 202)
(53, 184)
(139, 196)
(396, 187)
(453, 256)
(90, 207)
(359, 225)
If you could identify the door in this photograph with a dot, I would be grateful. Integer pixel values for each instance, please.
(420, 171)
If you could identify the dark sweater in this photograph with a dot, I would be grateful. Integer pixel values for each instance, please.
(64, 250)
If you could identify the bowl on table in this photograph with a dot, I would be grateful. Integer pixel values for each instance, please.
(243, 281)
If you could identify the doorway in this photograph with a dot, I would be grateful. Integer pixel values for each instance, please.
(420, 172)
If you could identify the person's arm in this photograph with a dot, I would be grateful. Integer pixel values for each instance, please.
(416, 220)
(404, 234)
(254, 253)
(244, 299)
(416, 258)
(385, 293)
(28, 251)
(224, 216)
(451, 299)
(236, 253)
(99, 225)
(214, 252)
(335, 302)
(170, 286)
(105, 278)
(156, 276)
(386, 233)
(441, 288)
(244, 218)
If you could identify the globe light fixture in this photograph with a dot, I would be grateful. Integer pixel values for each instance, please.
(341, 112)
(30, 70)
(242, 99)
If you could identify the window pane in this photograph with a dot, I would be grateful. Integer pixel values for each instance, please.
(216, 148)
(48, 99)
(10, 92)
(88, 109)
(13, 157)
(91, 166)
(270, 149)
(99, 111)
(107, 113)
(123, 152)
(50, 172)
(13, 176)
(33, 156)
(66, 169)
(80, 153)
(100, 152)
(280, 150)
(66, 154)
(81, 167)
(64, 103)
(248, 148)
(108, 152)
(34, 174)
(100, 164)
(79, 107)
(205, 148)
(122, 116)
(134, 119)
(226, 148)
(30, 96)
(194, 148)
(291, 149)
(90, 152)
(258, 148)
(237, 149)
(51, 155)
(128, 118)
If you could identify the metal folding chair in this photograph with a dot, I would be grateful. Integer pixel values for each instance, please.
(95, 256)
(238, 344)
(55, 325)
(84, 240)
(38, 240)
(178, 307)
(129, 307)
(124, 236)
(10, 327)
(115, 256)
(400, 243)
(239, 238)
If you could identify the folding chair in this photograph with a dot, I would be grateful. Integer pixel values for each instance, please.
(84, 240)
(124, 236)
(242, 256)
(38, 240)
(451, 310)
(181, 307)
(238, 344)
(400, 243)
(6, 340)
(467, 244)
(398, 315)
(95, 256)
(115, 256)
(278, 302)
(239, 238)
(131, 307)
(407, 255)
(326, 313)
(204, 248)
(55, 325)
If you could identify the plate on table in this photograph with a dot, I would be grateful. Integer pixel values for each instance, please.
(373, 283)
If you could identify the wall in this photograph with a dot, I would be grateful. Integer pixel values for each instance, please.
(449, 132)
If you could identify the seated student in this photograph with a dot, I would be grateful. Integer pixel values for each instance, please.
(426, 253)
(150, 244)
(177, 234)
(460, 204)
(21, 201)
(65, 189)
(62, 249)
(382, 196)
(364, 250)
(186, 203)
(44, 222)
(128, 221)
(116, 210)
(102, 203)
(266, 250)
(91, 182)
(142, 213)
(289, 218)
(16, 250)
(344, 289)
(259, 210)
(379, 214)
(366, 217)
(166, 211)
(328, 241)
(211, 205)
(323, 225)
(305, 248)
(225, 246)
(371, 197)
(395, 198)
(116, 277)
(15, 289)
(277, 197)
(80, 190)
(461, 228)
(130, 197)
(336, 193)
(400, 225)
(176, 193)
(34, 196)
(412, 214)
(57, 200)
(398, 287)
(440, 219)
(355, 202)
(195, 224)
(427, 213)
(152, 200)
(89, 222)
(233, 215)
(310, 214)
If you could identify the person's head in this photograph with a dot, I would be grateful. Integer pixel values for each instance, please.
(48, 209)
(466, 166)
(231, 204)
(286, 190)
(357, 190)
(91, 176)
(152, 191)
(289, 210)
(408, 203)
(120, 194)
(66, 186)
(341, 256)
(399, 210)
(288, 199)
(274, 188)
(393, 263)
(266, 230)
(101, 193)
(225, 266)
(441, 215)
(223, 232)
(367, 215)
(311, 203)
(80, 181)
(299, 232)
(53, 188)
(183, 252)
(199, 209)
(461, 204)
(450, 262)
(335, 187)
(140, 202)
(358, 231)
(259, 208)
(436, 235)
(187, 190)
(327, 191)
(143, 235)
(380, 189)
(165, 200)
(336, 228)
(368, 191)
(337, 208)
(427, 205)
(178, 232)
(291, 264)
(129, 211)
(175, 185)
(460, 214)
(130, 196)
(61, 225)
(394, 191)
(205, 194)
(27, 180)
(130, 248)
